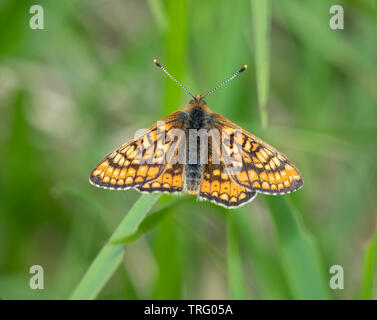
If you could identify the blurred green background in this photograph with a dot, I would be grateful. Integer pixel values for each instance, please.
(72, 92)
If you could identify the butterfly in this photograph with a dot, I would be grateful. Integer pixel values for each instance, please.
(162, 159)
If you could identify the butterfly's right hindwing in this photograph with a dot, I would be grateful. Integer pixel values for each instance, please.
(170, 181)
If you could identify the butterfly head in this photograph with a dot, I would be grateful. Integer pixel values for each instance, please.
(197, 101)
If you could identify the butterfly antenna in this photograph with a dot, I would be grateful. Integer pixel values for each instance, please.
(226, 81)
(170, 76)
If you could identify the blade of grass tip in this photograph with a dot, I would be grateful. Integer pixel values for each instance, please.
(299, 253)
(109, 258)
(261, 13)
(159, 13)
(369, 262)
(234, 262)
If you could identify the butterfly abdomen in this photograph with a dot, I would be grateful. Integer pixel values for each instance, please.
(195, 118)
(193, 167)
(193, 178)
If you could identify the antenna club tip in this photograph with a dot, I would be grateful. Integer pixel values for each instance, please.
(243, 68)
(155, 61)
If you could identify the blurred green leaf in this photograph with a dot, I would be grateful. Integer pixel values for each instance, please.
(307, 18)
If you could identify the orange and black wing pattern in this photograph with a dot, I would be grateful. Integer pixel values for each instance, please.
(170, 181)
(138, 161)
(217, 186)
(263, 169)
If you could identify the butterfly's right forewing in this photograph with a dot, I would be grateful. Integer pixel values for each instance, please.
(140, 160)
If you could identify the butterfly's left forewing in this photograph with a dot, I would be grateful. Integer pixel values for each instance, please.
(263, 168)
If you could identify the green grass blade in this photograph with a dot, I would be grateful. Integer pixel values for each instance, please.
(260, 15)
(109, 258)
(235, 273)
(299, 253)
(368, 267)
(171, 258)
(151, 221)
